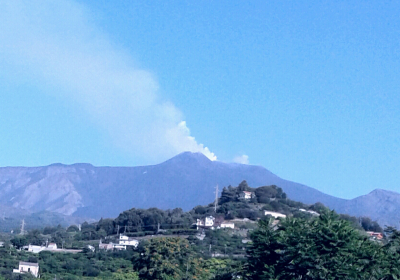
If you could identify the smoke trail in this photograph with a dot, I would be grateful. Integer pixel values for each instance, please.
(55, 44)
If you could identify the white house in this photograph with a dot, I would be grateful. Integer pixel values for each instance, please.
(35, 248)
(246, 195)
(227, 224)
(310, 211)
(123, 242)
(207, 222)
(27, 267)
(128, 241)
(274, 214)
(52, 246)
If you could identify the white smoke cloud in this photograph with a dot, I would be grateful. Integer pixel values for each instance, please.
(54, 43)
(243, 159)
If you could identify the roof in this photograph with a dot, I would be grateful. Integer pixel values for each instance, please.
(29, 263)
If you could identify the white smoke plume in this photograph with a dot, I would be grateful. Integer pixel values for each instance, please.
(243, 159)
(55, 43)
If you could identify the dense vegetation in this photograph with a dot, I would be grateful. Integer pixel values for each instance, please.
(301, 246)
(326, 247)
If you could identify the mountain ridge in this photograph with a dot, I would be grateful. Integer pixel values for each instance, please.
(184, 181)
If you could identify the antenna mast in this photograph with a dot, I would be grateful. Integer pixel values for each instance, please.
(216, 199)
(23, 227)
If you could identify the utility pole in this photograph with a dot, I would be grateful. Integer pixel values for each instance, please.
(216, 199)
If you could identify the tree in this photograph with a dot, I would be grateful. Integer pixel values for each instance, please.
(243, 186)
(370, 225)
(322, 248)
(168, 258)
(201, 210)
(72, 228)
(228, 195)
(34, 237)
(19, 241)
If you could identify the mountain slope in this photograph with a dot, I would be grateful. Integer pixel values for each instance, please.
(380, 205)
(186, 180)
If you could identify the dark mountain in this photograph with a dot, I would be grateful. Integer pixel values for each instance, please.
(11, 219)
(187, 180)
(380, 205)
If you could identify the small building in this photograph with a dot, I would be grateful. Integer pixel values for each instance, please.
(274, 214)
(128, 241)
(91, 248)
(227, 224)
(103, 246)
(310, 212)
(206, 222)
(35, 249)
(246, 195)
(375, 235)
(119, 247)
(52, 246)
(27, 267)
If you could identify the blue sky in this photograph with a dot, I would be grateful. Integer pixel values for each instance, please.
(308, 90)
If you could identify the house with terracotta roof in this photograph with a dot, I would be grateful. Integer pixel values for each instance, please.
(375, 235)
(246, 195)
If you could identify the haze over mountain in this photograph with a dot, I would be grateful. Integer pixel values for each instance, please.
(184, 181)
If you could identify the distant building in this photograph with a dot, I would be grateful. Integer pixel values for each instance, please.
(35, 249)
(91, 248)
(123, 242)
(246, 195)
(227, 224)
(206, 222)
(27, 267)
(103, 246)
(375, 235)
(274, 214)
(52, 246)
(310, 211)
(127, 241)
(119, 247)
